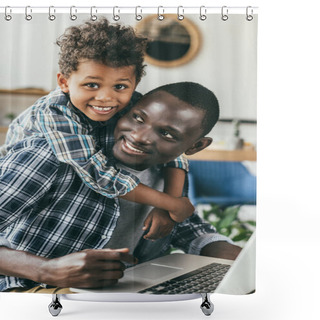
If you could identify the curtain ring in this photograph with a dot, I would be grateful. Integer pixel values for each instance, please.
(249, 17)
(93, 17)
(116, 17)
(51, 15)
(138, 16)
(203, 13)
(160, 16)
(224, 13)
(73, 12)
(28, 16)
(180, 13)
(7, 16)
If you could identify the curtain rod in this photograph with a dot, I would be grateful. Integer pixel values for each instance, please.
(131, 9)
(138, 11)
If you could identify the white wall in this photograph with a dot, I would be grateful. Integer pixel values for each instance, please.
(225, 63)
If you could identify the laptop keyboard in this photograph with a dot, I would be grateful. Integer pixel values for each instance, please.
(205, 279)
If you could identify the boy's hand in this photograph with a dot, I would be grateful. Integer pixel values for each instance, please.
(183, 211)
(159, 224)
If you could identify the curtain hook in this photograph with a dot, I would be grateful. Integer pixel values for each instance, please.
(7, 15)
(249, 17)
(180, 13)
(116, 17)
(138, 16)
(160, 16)
(93, 17)
(73, 12)
(224, 13)
(28, 16)
(203, 13)
(51, 15)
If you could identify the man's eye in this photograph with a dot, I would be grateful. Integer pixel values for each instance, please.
(138, 118)
(92, 85)
(167, 134)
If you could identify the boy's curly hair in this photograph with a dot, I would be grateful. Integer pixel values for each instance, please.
(111, 44)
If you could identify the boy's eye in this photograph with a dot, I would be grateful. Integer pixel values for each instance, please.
(120, 86)
(92, 85)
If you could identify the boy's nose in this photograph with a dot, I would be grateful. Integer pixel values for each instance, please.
(104, 95)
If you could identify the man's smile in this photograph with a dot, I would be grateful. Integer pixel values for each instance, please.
(132, 148)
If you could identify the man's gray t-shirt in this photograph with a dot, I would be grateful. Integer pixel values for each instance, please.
(132, 215)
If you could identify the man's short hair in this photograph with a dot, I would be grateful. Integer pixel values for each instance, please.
(113, 45)
(197, 96)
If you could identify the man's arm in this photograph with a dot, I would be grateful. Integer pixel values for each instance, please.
(196, 236)
(221, 249)
(84, 269)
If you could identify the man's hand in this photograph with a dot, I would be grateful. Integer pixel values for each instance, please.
(86, 269)
(159, 224)
(221, 249)
(184, 209)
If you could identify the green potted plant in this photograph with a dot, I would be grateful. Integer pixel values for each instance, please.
(227, 222)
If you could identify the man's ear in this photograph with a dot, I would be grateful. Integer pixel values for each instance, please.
(199, 145)
(62, 82)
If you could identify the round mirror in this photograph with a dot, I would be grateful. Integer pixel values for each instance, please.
(172, 42)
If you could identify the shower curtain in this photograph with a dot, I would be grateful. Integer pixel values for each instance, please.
(213, 47)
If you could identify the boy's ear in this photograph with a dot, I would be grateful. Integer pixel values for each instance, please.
(199, 145)
(62, 82)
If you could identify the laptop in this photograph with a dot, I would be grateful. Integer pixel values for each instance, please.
(181, 273)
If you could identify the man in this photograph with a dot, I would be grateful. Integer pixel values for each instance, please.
(57, 227)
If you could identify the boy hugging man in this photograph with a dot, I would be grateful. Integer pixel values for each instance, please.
(59, 184)
(100, 67)
(61, 235)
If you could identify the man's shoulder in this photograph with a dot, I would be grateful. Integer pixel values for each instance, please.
(36, 147)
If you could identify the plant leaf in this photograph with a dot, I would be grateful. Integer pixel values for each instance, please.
(230, 215)
(242, 236)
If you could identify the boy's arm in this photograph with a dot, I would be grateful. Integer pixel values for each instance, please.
(178, 208)
(67, 137)
(174, 179)
(72, 142)
(159, 223)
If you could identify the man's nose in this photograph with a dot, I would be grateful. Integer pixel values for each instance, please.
(143, 134)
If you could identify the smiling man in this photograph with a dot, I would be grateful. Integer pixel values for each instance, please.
(159, 129)
(56, 231)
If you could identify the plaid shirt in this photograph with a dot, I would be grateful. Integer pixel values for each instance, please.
(46, 210)
(70, 134)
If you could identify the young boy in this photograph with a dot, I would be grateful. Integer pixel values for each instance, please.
(100, 67)
(57, 227)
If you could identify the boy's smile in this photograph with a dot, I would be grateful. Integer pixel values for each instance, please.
(97, 90)
(159, 128)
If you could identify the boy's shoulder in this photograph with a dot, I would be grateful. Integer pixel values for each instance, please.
(56, 97)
